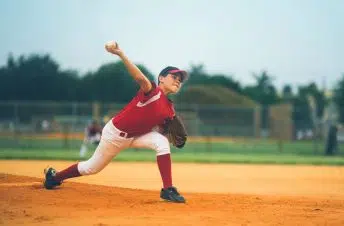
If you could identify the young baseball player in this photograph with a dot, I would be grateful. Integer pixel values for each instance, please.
(92, 136)
(137, 125)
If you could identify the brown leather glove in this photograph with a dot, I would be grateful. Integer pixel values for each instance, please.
(176, 132)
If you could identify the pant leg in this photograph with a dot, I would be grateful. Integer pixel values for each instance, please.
(154, 141)
(161, 146)
(110, 145)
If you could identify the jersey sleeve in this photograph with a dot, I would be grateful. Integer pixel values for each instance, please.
(145, 96)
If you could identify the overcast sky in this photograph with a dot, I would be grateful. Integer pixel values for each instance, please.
(296, 41)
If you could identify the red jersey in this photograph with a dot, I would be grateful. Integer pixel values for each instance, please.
(144, 112)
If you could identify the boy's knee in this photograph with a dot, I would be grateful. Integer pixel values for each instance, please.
(86, 169)
(90, 171)
(162, 148)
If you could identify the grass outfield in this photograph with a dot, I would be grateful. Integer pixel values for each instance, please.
(204, 151)
(238, 146)
(179, 156)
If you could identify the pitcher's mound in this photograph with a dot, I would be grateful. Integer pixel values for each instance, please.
(24, 201)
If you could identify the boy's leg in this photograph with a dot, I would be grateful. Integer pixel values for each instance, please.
(102, 156)
(160, 144)
(107, 149)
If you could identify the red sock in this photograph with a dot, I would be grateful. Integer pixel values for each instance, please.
(164, 164)
(70, 172)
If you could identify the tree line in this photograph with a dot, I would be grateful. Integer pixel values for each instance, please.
(39, 77)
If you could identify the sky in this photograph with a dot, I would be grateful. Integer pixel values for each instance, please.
(297, 42)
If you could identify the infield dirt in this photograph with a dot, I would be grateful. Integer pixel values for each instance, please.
(128, 194)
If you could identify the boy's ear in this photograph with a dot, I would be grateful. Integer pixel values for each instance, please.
(160, 79)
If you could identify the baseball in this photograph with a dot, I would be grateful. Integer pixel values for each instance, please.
(111, 44)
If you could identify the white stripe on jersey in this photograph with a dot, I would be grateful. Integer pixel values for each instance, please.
(150, 100)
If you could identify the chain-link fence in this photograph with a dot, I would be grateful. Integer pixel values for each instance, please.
(44, 117)
(31, 124)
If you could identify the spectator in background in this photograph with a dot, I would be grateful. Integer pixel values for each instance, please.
(332, 140)
(45, 125)
(92, 136)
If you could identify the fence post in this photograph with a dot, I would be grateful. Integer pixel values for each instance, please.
(74, 113)
(209, 143)
(66, 139)
(96, 110)
(197, 132)
(16, 131)
(15, 109)
(256, 121)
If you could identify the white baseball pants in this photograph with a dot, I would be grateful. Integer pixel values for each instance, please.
(112, 143)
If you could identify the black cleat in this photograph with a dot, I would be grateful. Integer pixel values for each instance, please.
(172, 195)
(49, 182)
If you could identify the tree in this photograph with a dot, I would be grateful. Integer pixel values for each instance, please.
(197, 75)
(111, 82)
(318, 95)
(338, 98)
(225, 81)
(263, 92)
(39, 77)
(303, 110)
(287, 92)
(36, 77)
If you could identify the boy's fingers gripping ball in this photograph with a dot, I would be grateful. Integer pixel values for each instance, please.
(111, 45)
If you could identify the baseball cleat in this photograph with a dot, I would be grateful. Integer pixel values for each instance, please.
(49, 182)
(172, 195)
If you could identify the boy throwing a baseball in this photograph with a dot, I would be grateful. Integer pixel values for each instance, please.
(142, 123)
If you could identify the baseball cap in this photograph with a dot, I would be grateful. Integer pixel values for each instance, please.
(174, 70)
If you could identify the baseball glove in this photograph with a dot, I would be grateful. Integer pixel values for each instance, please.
(176, 132)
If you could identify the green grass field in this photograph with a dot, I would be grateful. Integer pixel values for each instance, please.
(179, 156)
(240, 151)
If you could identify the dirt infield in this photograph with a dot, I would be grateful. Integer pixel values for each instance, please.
(216, 195)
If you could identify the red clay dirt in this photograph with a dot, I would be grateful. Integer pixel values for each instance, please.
(313, 196)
